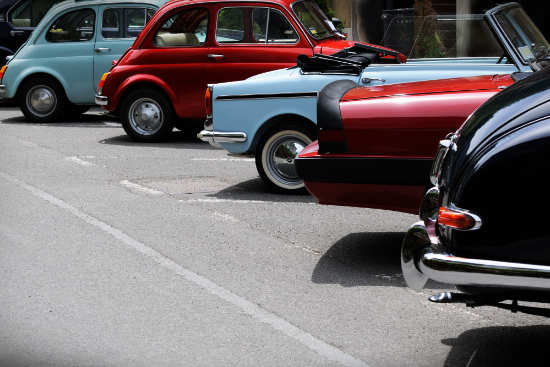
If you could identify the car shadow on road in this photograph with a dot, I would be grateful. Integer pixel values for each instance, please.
(86, 120)
(256, 190)
(364, 259)
(500, 346)
(176, 139)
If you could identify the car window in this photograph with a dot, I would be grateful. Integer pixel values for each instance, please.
(124, 22)
(136, 19)
(279, 29)
(230, 26)
(268, 26)
(259, 24)
(74, 26)
(111, 25)
(186, 28)
(28, 13)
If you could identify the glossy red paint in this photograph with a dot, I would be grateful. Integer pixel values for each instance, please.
(184, 72)
(404, 199)
(408, 120)
(396, 122)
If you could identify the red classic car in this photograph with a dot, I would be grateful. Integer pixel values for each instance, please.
(376, 144)
(160, 82)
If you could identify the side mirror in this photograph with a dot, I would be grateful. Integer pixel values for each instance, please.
(337, 23)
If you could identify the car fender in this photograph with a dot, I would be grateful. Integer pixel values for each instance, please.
(22, 73)
(136, 79)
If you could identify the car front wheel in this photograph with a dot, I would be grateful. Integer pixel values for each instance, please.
(275, 158)
(42, 100)
(147, 115)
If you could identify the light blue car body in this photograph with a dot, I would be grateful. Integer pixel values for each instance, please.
(77, 66)
(249, 115)
(243, 111)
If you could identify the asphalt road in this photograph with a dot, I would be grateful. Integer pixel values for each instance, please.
(114, 253)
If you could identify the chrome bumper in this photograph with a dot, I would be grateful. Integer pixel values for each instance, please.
(2, 91)
(101, 100)
(215, 137)
(422, 259)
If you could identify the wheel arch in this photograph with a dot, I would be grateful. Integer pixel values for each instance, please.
(278, 121)
(140, 81)
(24, 78)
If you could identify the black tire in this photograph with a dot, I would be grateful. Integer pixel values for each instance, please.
(147, 115)
(283, 144)
(42, 100)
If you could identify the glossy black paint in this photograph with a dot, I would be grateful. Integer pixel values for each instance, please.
(499, 171)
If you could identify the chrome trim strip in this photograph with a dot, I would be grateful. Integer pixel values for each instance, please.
(267, 96)
(267, 27)
(222, 137)
(102, 100)
(421, 260)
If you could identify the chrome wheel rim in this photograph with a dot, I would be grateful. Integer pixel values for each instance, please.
(282, 150)
(146, 116)
(41, 100)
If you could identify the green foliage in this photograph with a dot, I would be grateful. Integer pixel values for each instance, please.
(324, 5)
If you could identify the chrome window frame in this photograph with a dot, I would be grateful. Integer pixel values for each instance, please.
(266, 43)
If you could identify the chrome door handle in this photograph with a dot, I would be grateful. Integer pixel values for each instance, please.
(102, 49)
(216, 57)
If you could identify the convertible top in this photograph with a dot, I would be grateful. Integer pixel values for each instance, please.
(351, 60)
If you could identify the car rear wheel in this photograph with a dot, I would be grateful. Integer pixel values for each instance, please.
(42, 100)
(275, 158)
(147, 115)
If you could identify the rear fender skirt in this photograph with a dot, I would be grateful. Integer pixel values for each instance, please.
(329, 118)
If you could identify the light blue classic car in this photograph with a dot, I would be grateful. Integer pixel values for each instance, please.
(273, 116)
(55, 73)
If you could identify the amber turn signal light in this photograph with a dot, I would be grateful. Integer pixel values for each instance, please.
(457, 219)
(101, 83)
(208, 100)
(2, 71)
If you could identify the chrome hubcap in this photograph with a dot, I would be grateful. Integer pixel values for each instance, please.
(146, 116)
(280, 159)
(41, 100)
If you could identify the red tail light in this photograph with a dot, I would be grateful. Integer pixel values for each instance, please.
(101, 83)
(208, 100)
(2, 71)
(458, 219)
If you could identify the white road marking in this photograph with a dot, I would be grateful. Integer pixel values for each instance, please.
(225, 217)
(219, 201)
(141, 189)
(253, 310)
(223, 159)
(79, 161)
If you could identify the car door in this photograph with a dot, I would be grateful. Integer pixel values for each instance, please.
(253, 39)
(177, 55)
(66, 50)
(118, 26)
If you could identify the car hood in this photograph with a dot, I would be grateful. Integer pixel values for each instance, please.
(486, 82)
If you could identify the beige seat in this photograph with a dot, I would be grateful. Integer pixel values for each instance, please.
(176, 39)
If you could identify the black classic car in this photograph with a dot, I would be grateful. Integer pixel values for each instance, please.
(18, 18)
(485, 222)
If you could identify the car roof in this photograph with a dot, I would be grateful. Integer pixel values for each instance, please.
(280, 2)
(68, 4)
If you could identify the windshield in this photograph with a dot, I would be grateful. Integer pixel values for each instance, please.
(313, 19)
(523, 33)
